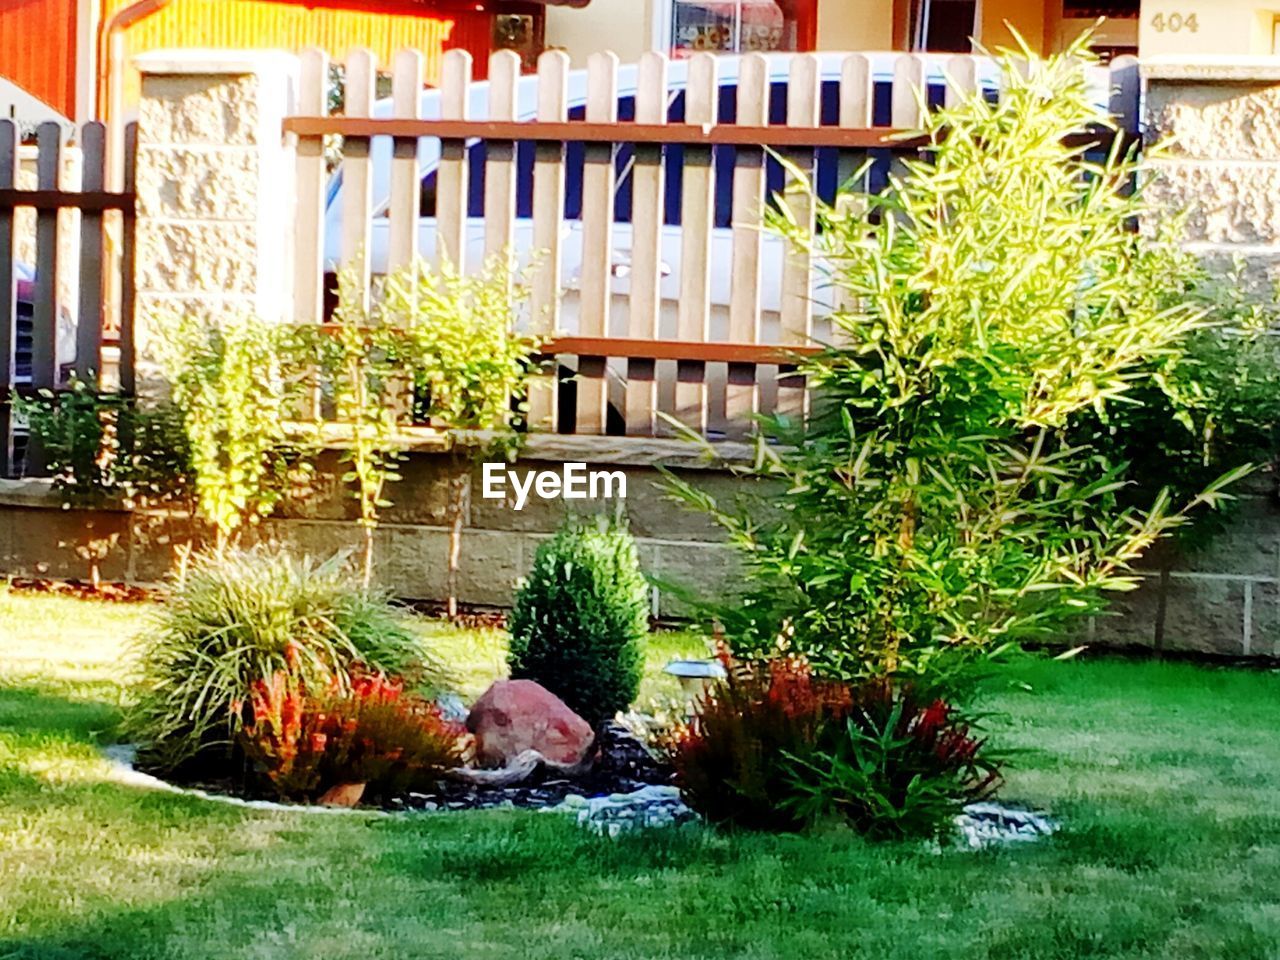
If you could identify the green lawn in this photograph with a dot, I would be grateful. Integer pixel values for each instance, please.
(1166, 776)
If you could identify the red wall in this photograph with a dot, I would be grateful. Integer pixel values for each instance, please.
(473, 32)
(37, 49)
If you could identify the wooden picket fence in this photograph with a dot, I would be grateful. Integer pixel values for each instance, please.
(708, 345)
(98, 254)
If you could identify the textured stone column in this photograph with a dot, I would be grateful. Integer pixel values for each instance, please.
(215, 190)
(1222, 120)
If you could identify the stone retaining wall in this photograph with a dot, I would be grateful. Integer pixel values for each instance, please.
(37, 538)
(1224, 600)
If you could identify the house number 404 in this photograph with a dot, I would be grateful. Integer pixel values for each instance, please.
(1175, 23)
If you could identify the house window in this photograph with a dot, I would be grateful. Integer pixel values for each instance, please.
(741, 26)
(944, 26)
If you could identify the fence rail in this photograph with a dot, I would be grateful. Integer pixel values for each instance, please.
(642, 191)
(66, 284)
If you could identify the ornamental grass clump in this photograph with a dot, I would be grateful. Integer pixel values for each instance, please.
(235, 618)
(937, 506)
(581, 618)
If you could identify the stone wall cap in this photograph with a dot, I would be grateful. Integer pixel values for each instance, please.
(33, 492)
(201, 61)
(1222, 69)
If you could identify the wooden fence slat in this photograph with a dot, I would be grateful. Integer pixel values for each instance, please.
(856, 110)
(44, 359)
(905, 100)
(962, 78)
(548, 215)
(741, 391)
(357, 172)
(804, 103)
(404, 198)
(500, 158)
(908, 88)
(595, 284)
(93, 158)
(697, 219)
(452, 176)
(647, 205)
(8, 291)
(128, 261)
(406, 184)
(308, 232)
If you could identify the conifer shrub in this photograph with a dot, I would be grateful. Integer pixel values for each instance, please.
(581, 617)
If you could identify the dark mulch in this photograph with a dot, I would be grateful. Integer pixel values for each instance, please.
(84, 590)
(624, 766)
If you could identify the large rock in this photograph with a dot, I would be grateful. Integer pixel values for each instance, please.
(513, 716)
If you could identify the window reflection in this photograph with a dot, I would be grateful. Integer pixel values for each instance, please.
(733, 26)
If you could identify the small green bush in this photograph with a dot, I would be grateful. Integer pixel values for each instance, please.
(580, 619)
(239, 617)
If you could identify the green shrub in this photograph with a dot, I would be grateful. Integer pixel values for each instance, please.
(894, 766)
(102, 446)
(734, 760)
(236, 381)
(238, 617)
(934, 509)
(581, 618)
(1211, 409)
(103, 449)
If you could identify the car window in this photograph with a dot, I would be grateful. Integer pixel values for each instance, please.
(830, 172)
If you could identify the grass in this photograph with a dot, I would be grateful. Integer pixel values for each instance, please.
(1164, 775)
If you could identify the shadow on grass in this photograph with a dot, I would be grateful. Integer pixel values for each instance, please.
(35, 709)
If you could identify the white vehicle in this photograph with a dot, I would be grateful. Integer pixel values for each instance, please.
(826, 177)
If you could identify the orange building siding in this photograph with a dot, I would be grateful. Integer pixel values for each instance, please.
(37, 49)
(255, 24)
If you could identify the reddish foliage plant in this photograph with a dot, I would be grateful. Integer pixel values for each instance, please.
(773, 747)
(374, 732)
(732, 760)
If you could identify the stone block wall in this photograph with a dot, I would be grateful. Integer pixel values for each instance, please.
(1220, 123)
(37, 538)
(1223, 600)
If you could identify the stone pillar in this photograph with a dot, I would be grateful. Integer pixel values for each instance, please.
(215, 187)
(1221, 117)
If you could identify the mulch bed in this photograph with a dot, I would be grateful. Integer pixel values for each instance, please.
(110, 592)
(623, 766)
